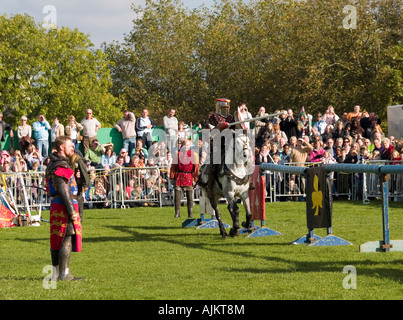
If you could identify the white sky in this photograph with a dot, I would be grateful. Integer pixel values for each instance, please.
(103, 20)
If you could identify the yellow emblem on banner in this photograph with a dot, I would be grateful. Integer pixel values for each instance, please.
(57, 233)
(317, 196)
(58, 224)
(56, 214)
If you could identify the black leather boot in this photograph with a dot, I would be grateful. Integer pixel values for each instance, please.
(251, 186)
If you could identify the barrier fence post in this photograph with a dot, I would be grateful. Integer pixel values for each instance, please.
(318, 203)
(385, 213)
(365, 199)
(386, 245)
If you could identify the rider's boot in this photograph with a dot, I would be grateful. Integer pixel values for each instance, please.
(210, 184)
(251, 185)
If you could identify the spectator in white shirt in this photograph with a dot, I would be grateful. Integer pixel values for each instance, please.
(90, 128)
(127, 126)
(171, 128)
(57, 131)
(144, 124)
(24, 132)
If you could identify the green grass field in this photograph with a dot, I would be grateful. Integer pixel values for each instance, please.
(145, 254)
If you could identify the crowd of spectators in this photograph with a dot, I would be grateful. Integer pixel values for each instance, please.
(351, 137)
(354, 137)
(151, 165)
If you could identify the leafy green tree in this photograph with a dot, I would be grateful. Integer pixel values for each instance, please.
(279, 54)
(157, 66)
(346, 66)
(54, 71)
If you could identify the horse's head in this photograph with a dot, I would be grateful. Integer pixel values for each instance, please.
(243, 150)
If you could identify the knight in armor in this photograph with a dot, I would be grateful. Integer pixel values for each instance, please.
(184, 174)
(65, 224)
(219, 119)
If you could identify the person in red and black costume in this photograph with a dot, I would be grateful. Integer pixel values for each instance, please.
(184, 174)
(65, 224)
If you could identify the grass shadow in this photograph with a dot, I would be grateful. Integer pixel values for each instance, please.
(184, 239)
(364, 267)
(374, 203)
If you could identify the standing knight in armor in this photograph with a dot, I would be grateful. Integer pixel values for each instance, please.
(65, 224)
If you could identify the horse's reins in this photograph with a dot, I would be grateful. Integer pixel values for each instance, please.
(231, 175)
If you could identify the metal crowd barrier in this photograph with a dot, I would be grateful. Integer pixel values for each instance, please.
(125, 187)
(349, 186)
(116, 188)
(129, 187)
(372, 185)
(27, 190)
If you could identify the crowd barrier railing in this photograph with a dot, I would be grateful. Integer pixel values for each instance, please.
(115, 188)
(350, 186)
(27, 191)
(126, 187)
(372, 184)
(145, 186)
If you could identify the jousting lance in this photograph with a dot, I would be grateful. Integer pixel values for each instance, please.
(254, 119)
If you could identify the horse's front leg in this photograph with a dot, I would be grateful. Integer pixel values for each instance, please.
(214, 205)
(245, 201)
(234, 211)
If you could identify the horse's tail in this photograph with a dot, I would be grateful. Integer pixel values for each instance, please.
(199, 182)
(203, 184)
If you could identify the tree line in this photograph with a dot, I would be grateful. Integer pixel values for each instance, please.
(277, 54)
(272, 53)
(52, 71)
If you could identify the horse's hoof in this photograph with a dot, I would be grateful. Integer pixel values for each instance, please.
(250, 230)
(234, 232)
(246, 225)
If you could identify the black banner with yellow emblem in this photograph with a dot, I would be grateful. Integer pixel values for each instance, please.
(318, 198)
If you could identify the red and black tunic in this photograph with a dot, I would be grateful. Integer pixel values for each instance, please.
(185, 168)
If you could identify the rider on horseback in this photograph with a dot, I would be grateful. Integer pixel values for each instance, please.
(220, 120)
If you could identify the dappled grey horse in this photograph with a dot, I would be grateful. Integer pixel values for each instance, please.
(232, 182)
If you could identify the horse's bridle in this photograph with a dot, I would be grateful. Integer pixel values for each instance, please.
(230, 175)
